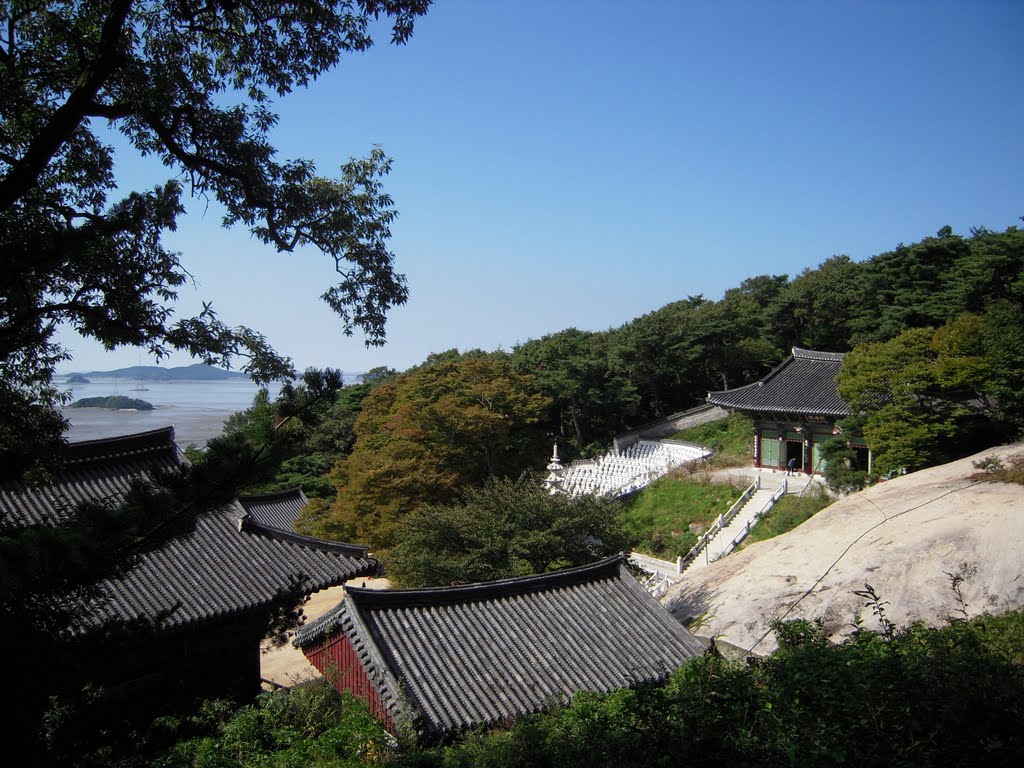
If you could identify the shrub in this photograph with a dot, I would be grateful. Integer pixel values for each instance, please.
(993, 470)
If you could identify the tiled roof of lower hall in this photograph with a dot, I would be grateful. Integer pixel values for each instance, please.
(453, 658)
(94, 470)
(804, 383)
(232, 561)
(276, 510)
(228, 564)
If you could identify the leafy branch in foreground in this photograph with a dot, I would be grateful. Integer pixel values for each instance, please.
(190, 84)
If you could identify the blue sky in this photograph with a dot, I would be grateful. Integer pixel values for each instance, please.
(581, 163)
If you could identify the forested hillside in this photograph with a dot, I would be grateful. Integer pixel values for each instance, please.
(958, 372)
(604, 382)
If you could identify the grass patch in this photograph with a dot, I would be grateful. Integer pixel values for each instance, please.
(658, 518)
(730, 438)
(788, 513)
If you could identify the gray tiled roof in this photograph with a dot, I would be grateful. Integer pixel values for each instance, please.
(275, 510)
(457, 657)
(804, 383)
(232, 561)
(227, 565)
(93, 470)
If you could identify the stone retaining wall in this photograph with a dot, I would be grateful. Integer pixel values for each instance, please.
(669, 425)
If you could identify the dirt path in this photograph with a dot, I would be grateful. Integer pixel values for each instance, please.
(286, 665)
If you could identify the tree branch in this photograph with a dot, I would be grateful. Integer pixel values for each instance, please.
(65, 120)
(196, 163)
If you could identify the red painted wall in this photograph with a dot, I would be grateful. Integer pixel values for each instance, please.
(337, 660)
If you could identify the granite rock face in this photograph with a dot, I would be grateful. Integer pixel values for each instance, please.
(904, 537)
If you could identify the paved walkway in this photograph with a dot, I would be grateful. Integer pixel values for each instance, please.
(770, 478)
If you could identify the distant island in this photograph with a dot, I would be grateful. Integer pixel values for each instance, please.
(196, 372)
(113, 403)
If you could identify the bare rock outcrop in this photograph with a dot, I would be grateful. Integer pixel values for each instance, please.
(903, 537)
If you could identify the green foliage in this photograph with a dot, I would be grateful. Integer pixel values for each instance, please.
(928, 395)
(508, 528)
(989, 465)
(658, 519)
(309, 725)
(910, 286)
(789, 512)
(841, 471)
(1002, 342)
(730, 439)
(113, 402)
(994, 470)
(669, 546)
(591, 399)
(426, 435)
(192, 85)
(817, 309)
(1003, 635)
(303, 433)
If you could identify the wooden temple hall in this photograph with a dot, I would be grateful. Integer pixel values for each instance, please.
(198, 603)
(438, 661)
(795, 409)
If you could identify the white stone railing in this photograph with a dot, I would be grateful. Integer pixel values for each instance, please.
(745, 531)
(719, 524)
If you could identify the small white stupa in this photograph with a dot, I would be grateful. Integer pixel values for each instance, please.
(553, 482)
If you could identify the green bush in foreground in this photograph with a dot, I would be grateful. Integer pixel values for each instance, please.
(309, 726)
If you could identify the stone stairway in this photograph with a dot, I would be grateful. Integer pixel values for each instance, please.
(661, 574)
(729, 536)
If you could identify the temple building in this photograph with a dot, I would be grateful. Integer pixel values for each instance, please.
(197, 605)
(434, 662)
(795, 409)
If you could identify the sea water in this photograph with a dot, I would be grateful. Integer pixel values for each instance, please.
(196, 409)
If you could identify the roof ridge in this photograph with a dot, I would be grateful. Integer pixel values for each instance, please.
(248, 501)
(106, 448)
(483, 590)
(271, 495)
(247, 525)
(754, 385)
(816, 354)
